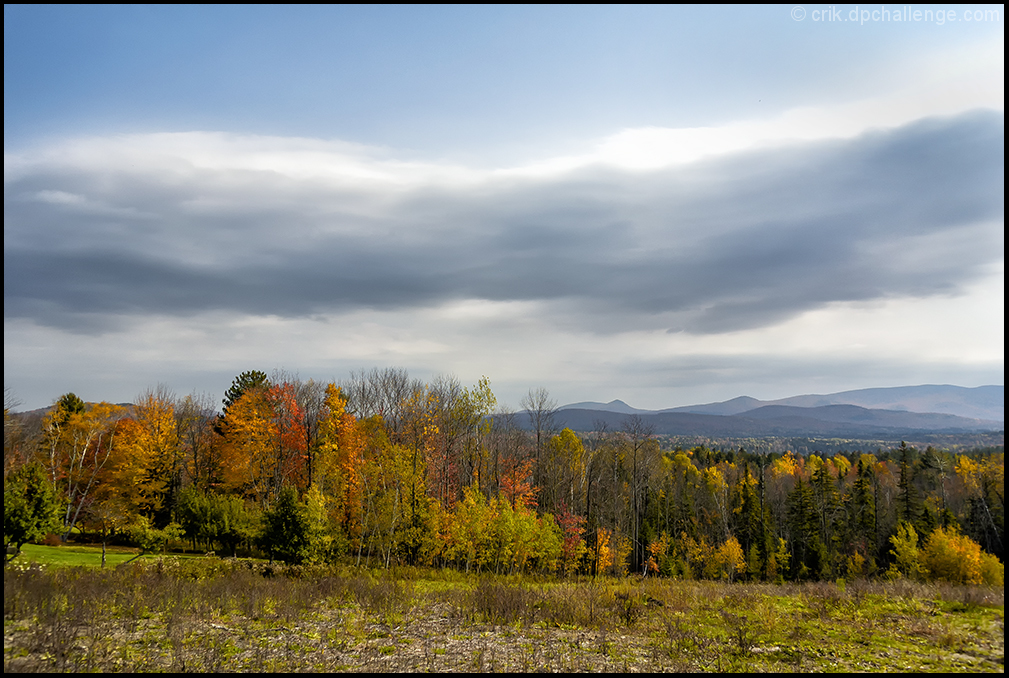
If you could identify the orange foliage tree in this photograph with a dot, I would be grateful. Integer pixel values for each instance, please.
(150, 460)
(342, 443)
(246, 454)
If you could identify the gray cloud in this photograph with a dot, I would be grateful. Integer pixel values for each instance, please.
(734, 243)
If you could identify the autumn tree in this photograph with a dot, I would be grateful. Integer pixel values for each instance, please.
(573, 549)
(78, 444)
(565, 471)
(290, 443)
(469, 531)
(420, 437)
(984, 481)
(344, 441)
(513, 462)
(728, 560)
(473, 411)
(149, 462)
(247, 453)
(443, 463)
(393, 517)
(950, 556)
(905, 552)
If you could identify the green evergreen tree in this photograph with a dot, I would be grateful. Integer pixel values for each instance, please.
(828, 509)
(765, 544)
(907, 498)
(749, 527)
(287, 529)
(31, 507)
(243, 383)
(68, 404)
(808, 553)
(861, 512)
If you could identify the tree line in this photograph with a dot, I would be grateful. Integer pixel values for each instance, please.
(385, 469)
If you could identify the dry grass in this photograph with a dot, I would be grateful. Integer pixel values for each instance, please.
(215, 615)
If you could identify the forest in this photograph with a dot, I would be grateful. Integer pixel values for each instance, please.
(384, 470)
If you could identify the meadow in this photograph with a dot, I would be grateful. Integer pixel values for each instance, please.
(212, 614)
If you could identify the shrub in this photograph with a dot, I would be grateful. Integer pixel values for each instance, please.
(52, 539)
(150, 539)
(992, 570)
(954, 557)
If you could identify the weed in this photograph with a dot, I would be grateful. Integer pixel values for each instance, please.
(504, 603)
(742, 631)
(381, 597)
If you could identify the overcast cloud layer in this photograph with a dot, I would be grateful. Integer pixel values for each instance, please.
(123, 227)
(854, 245)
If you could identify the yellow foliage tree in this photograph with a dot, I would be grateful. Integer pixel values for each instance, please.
(841, 465)
(954, 557)
(603, 551)
(341, 459)
(470, 529)
(783, 466)
(905, 551)
(728, 560)
(79, 443)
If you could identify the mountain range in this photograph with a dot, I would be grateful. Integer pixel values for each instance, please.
(873, 412)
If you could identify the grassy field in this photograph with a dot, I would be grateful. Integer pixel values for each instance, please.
(70, 555)
(82, 555)
(209, 614)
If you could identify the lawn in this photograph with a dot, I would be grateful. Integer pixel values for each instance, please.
(81, 555)
(74, 555)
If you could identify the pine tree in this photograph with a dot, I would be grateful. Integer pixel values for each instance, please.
(861, 512)
(808, 553)
(827, 505)
(286, 530)
(907, 499)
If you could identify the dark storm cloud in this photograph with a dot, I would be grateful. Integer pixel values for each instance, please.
(743, 241)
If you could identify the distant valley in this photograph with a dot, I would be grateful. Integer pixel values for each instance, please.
(864, 413)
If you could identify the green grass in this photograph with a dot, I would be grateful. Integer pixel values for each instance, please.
(73, 555)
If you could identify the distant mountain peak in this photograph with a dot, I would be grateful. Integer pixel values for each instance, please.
(617, 406)
(982, 402)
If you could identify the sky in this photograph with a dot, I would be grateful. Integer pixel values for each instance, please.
(665, 205)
